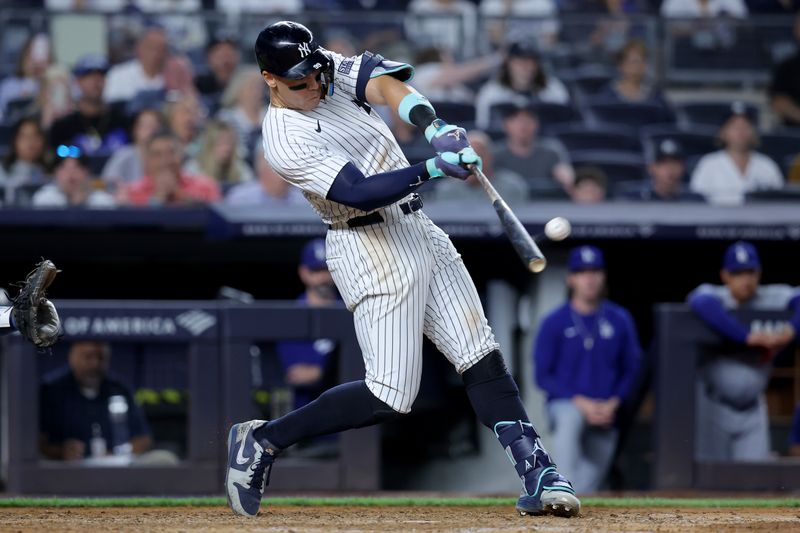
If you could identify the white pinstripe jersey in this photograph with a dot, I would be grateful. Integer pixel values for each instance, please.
(309, 148)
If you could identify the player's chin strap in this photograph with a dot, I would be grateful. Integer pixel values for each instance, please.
(525, 450)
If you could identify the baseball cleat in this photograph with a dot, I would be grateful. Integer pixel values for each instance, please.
(553, 495)
(248, 462)
(544, 490)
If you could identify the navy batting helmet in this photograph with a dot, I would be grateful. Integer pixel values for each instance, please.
(288, 49)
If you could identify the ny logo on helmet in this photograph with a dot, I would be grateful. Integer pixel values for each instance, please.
(304, 49)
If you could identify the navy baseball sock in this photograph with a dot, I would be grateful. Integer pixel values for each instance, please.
(495, 398)
(346, 406)
(492, 392)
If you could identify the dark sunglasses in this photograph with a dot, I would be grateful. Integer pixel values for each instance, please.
(301, 86)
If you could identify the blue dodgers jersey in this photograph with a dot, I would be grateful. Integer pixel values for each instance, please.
(592, 355)
(309, 352)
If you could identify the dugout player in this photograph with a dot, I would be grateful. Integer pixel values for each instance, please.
(396, 271)
(305, 362)
(731, 421)
(586, 358)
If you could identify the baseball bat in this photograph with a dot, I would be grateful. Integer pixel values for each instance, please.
(522, 242)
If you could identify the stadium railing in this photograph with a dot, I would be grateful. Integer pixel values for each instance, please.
(216, 337)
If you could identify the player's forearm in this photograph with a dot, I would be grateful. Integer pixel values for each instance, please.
(141, 444)
(711, 311)
(353, 189)
(386, 90)
(784, 106)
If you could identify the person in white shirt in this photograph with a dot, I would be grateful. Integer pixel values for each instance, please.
(113, 6)
(143, 73)
(451, 25)
(72, 185)
(532, 17)
(243, 106)
(703, 8)
(723, 177)
(237, 7)
(522, 78)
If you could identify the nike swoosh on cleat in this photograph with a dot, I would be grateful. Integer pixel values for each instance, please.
(240, 458)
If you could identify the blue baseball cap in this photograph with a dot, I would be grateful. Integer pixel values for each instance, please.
(585, 258)
(313, 256)
(740, 256)
(90, 63)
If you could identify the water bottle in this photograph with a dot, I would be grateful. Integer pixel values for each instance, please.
(120, 436)
(97, 444)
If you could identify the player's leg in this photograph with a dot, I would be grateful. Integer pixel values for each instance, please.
(568, 426)
(6, 325)
(391, 343)
(712, 438)
(752, 443)
(388, 307)
(455, 322)
(6, 320)
(598, 451)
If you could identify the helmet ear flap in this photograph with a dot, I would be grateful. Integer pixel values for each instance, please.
(327, 77)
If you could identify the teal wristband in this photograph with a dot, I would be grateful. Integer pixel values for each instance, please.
(409, 102)
(433, 170)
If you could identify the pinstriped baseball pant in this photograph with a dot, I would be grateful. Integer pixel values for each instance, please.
(401, 279)
(5, 320)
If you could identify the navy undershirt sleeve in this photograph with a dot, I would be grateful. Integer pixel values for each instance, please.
(353, 189)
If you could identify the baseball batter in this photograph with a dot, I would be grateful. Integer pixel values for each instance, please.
(397, 272)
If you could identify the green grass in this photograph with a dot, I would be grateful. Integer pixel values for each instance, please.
(394, 501)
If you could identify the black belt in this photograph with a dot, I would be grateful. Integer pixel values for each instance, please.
(712, 394)
(415, 204)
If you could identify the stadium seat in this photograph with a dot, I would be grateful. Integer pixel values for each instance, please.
(541, 190)
(549, 114)
(691, 114)
(790, 193)
(624, 189)
(603, 111)
(587, 80)
(6, 134)
(17, 109)
(618, 166)
(576, 137)
(780, 146)
(699, 140)
(97, 162)
(455, 112)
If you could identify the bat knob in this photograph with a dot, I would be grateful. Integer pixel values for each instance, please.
(537, 265)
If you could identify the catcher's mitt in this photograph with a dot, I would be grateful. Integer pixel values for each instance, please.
(35, 316)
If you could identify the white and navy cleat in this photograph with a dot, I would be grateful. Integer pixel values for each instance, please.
(248, 462)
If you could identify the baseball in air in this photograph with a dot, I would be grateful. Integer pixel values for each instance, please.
(557, 229)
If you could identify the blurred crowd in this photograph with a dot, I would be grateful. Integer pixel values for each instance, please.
(169, 112)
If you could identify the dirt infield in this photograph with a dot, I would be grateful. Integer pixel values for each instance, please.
(427, 519)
